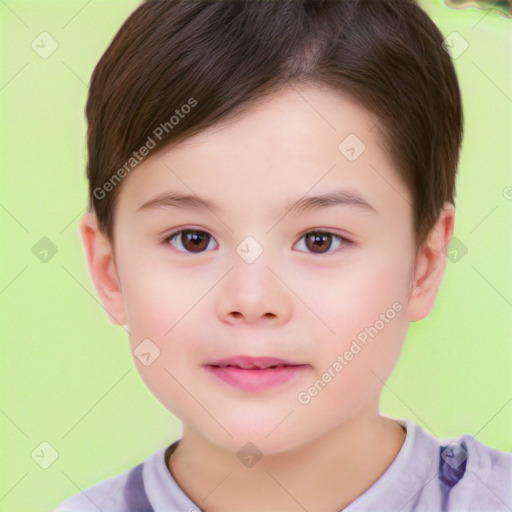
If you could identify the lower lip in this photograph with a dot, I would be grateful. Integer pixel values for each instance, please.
(254, 379)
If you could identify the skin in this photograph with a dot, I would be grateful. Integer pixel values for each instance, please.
(291, 302)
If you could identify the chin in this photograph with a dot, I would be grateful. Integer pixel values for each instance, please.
(248, 436)
(247, 444)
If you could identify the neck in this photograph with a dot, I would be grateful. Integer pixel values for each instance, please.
(327, 473)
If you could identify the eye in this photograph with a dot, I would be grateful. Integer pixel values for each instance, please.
(319, 242)
(196, 241)
(189, 240)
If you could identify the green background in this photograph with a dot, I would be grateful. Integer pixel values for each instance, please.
(67, 375)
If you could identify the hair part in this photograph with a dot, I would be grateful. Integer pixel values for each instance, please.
(178, 67)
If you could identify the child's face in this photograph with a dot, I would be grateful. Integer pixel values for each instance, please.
(301, 300)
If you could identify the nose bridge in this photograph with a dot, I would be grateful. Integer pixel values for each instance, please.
(251, 271)
(251, 290)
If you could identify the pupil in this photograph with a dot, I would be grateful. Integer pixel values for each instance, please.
(319, 240)
(197, 240)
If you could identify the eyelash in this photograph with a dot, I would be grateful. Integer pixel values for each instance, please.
(345, 242)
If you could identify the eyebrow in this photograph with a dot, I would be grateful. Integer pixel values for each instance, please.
(349, 197)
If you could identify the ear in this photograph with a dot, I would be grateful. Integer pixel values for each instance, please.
(430, 264)
(102, 268)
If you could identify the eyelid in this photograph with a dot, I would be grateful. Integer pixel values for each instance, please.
(168, 237)
(344, 240)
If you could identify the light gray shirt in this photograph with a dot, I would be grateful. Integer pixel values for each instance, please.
(428, 475)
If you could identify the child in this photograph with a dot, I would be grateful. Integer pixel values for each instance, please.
(307, 151)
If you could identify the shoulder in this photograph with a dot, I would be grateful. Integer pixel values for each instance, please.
(119, 493)
(487, 459)
(458, 474)
(105, 495)
(494, 466)
(475, 475)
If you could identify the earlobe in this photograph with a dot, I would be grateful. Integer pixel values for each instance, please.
(430, 265)
(102, 268)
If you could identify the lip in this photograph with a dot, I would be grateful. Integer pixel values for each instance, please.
(255, 373)
(252, 362)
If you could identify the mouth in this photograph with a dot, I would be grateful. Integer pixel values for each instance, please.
(255, 373)
(250, 363)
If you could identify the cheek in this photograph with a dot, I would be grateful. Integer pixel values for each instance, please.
(366, 309)
(355, 365)
(157, 298)
(172, 376)
(357, 296)
(166, 308)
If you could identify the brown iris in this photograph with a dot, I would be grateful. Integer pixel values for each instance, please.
(194, 241)
(316, 242)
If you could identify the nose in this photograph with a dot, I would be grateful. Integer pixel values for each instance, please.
(253, 293)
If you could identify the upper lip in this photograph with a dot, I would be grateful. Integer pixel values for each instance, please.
(252, 362)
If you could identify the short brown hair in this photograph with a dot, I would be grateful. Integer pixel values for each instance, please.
(185, 65)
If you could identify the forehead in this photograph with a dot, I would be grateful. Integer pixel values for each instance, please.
(299, 139)
(286, 118)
